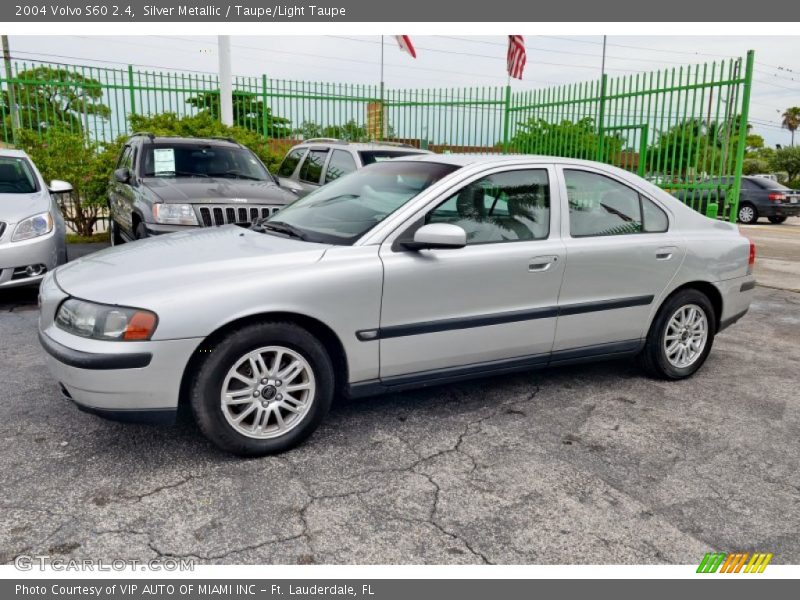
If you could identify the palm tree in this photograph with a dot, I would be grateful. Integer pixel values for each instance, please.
(791, 120)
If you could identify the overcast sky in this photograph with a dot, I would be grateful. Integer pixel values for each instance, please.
(445, 61)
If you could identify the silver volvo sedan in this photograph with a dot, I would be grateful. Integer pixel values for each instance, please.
(410, 272)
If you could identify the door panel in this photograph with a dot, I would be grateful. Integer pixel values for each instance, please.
(488, 301)
(612, 278)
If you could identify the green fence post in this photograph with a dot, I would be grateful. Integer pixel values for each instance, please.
(264, 122)
(506, 119)
(131, 89)
(740, 145)
(601, 117)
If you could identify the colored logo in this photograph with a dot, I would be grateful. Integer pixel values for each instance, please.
(735, 562)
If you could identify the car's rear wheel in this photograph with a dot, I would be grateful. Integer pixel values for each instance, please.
(747, 213)
(680, 337)
(263, 389)
(777, 220)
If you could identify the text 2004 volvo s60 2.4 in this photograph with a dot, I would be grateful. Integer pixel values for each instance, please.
(409, 272)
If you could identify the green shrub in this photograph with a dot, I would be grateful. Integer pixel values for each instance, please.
(62, 154)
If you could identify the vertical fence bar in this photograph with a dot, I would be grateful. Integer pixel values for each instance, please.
(741, 142)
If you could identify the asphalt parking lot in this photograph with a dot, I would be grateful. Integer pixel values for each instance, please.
(585, 464)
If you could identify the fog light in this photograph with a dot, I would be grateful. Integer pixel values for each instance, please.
(34, 270)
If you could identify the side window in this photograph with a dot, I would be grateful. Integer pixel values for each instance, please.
(311, 171)
(600, 205)
(290, 163)
(341, 163)
(504, 207)
(124, 158)
(655, 219)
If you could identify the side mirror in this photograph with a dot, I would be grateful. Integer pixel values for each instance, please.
(122, 175)
(437, 235)
(59, 187)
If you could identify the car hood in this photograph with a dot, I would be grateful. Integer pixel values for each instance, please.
(180, 263)
(196, 190)
(15, 207)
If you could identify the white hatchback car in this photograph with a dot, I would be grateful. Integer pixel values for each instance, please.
(410, 272)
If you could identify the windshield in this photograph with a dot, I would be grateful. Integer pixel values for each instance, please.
(344, 210)
(201, 160)
(16, 176)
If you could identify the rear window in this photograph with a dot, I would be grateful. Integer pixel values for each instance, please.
(16, 176)
(766, 184)
(371, 156)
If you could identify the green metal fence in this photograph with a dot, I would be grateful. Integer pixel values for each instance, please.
(683, 129)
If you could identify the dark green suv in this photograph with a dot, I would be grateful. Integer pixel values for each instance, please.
(166, 184)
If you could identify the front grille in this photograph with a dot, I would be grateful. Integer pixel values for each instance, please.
(2, 229)
(223, 214)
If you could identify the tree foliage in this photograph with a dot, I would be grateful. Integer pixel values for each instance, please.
(204, 124)
(788, 159)
(581, 138)
(53, 98)
(61, 154)
(791, 120)
(249, 112)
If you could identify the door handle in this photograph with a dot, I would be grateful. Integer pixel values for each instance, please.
(665, 253)
(541, 264)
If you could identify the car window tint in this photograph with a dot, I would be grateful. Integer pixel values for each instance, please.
(341, 163)
(599, 205)
(371, 156)
(311, 171)
(655, 219)
(504, 207)
(290, 163)
(124, 158)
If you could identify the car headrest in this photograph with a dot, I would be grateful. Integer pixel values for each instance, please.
(470, 203)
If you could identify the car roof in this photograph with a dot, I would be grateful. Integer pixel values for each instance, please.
(464, 160)
(9, 152)
(362, 145)
(176, 139)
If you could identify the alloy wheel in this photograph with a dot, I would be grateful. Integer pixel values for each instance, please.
(686, 336)
(267, 392)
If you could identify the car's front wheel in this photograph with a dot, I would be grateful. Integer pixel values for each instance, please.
(680, 337)
(263, 389)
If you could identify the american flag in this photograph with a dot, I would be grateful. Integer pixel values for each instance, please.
(516, 56)
(405, 45)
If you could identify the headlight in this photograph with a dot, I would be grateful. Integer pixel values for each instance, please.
(32, 227)
(103, 322)
(174, 214)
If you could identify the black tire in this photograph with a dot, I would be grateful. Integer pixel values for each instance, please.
(140, 232)
(653, 357)
(748, 214)
(209, 378)
(113, 233)
(776, 220)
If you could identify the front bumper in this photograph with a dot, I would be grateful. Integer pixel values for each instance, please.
(44, 250)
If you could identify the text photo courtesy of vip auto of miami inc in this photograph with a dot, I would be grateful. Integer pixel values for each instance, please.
(319, 298)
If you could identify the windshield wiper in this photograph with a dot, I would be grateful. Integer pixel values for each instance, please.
(236, 175)
(176, 174)
(280, 227)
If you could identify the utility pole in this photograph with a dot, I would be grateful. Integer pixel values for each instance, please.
(12, 95)
(225, 80)
(603, 63)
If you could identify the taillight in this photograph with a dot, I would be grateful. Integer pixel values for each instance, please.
(777, 197)
(752, 260)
